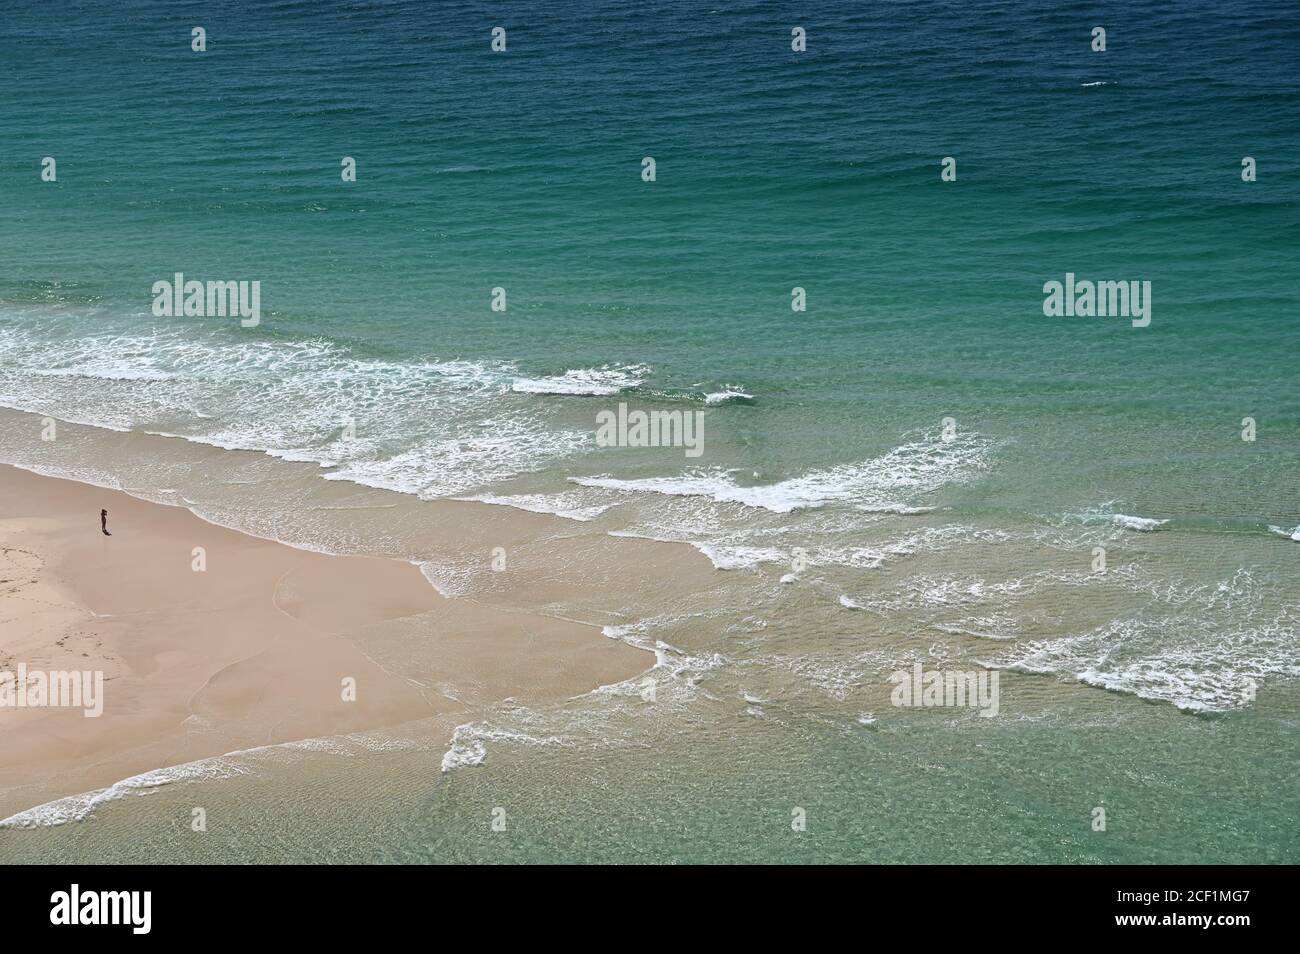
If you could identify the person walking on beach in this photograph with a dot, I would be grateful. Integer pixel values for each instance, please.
(103, 522)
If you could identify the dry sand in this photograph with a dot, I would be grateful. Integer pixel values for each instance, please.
(255, 648)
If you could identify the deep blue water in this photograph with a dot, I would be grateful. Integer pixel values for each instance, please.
(775, 169)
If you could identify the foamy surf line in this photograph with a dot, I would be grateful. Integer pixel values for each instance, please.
(464, 423)
(558, 505)
(1186, 690)
(1205, 678)
(585, 382)
(79, 807)
(468, 744)
(1104, 515)
(1141, 524)
(728, 394)
(911, 470)
(289, 415)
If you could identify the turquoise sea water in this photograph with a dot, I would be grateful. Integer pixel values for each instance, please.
(1165, 687)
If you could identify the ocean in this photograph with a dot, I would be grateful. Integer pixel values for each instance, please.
(920, 466)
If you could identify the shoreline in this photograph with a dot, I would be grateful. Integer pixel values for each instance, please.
(212, 640)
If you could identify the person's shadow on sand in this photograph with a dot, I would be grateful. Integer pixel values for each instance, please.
(103, 522)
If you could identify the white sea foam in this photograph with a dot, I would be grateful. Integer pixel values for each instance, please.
(593, 382)
(1105, 515)
(899, 509)
(1289, 534)
(426, 427)
(1000, 627)
(1141, 524)
(469, 743)
(740, 557)
(109, 368)
(910, 470)
(927, 590)
(569, 506)
(75, 808)
(463, 752)
(501, 448)
(727, 394)
(676, 673)
(1197, 664)
(920, 541)
(746, 547)
(835, 676)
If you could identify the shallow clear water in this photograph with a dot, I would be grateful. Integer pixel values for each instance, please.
(823, 429)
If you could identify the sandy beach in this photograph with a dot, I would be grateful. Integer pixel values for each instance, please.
(211, 640)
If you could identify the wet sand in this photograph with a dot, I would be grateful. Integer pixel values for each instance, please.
(255, 647)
